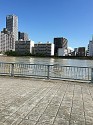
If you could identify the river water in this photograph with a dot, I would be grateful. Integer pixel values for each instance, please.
(36, 60)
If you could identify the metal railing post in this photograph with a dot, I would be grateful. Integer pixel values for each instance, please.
(12, 69)
(48, 71)
(92, 75)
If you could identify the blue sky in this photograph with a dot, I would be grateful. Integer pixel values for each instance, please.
(45, 19)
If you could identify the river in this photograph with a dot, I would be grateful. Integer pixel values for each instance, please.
(36, 60)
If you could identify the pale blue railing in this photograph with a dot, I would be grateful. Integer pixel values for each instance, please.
(47, 71)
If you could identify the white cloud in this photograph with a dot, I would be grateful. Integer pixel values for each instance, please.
(71, 48)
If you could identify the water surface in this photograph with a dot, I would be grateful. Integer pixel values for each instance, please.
(36, 60)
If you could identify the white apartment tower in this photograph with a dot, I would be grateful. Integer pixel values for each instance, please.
(90, 48)
(12, 25)
(6, 41)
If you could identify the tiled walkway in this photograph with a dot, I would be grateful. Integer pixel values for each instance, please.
(42, 102)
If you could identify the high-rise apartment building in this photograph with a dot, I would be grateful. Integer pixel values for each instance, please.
(12, 25)
(90, 48)
(60, 42)
(6, 41)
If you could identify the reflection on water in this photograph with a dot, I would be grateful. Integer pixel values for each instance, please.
(66, 62)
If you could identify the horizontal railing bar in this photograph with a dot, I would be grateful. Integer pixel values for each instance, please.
(46, 70)
(25, 63)
(43, 64)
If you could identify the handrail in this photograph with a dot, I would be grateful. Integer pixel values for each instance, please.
(45, 64)
(47, 71)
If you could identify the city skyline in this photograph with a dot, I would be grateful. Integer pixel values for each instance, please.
(45, 20)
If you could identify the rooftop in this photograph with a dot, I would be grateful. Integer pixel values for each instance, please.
(31, 101)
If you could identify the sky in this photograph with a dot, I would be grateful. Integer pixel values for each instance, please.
(44, 20)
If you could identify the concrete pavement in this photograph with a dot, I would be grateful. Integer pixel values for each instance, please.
(30, 101)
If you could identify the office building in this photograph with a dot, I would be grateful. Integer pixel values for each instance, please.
(81, 51)
(60, 42)
(24, 47)
(75, 53)
(44, 49)
(23, 36)
(12, 25)
(6, 41)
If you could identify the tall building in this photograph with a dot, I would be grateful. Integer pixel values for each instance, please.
(81, 51)
(23, 36)
(12, 25)
(6, 41)
(60, 42)
(90, 48)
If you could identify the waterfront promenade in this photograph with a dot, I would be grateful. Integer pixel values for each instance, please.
(31, 101)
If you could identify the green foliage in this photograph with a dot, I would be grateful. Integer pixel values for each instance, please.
(10, 53)
(14, 53)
